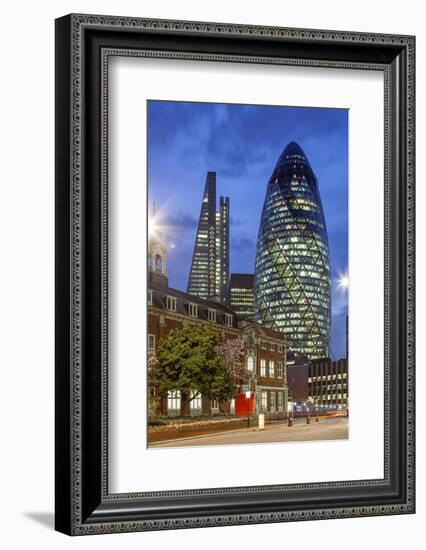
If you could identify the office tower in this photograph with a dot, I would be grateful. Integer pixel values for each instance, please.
(208, 277)
(241, 294)
(292, 269)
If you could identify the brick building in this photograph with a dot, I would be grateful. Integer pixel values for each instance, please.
(264, 349)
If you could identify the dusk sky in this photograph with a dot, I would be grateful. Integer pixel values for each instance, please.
(242, 143)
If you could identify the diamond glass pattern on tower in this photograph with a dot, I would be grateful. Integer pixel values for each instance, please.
(292, 270)
(208, 277)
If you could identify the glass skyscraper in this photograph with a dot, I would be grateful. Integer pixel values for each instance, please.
(208, 277)
(292, 270)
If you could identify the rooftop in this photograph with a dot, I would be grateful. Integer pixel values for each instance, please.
(241, 280)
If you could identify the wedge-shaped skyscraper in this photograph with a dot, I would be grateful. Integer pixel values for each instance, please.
(209, 273)
(292, 271)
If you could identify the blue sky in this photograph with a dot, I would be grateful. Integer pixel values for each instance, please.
(242, 143)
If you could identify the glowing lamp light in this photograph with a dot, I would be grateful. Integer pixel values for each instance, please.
(343, 282)
(152, 227)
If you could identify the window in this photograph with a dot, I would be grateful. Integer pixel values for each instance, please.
(263, 345)
(280, 348)
(150, 297)
(263, 367)
(271, 369)
(215, 403)
(280, 401)
(171, 303)
(212, 315)
(272, 401)
(158, 263)
(151, 343)
(195, 403)
(193, 310)
(280, 370)
(250, 363)
(264, 401)
(228, 319)
(173, 400)
(272, 347)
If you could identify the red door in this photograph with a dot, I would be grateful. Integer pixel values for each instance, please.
(244, 406)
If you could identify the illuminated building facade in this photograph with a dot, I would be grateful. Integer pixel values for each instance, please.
(208, 277)
(292, 269)
(328, 382)
(241, 294)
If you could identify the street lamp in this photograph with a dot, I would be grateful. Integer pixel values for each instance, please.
(290, 416)
(248, 395)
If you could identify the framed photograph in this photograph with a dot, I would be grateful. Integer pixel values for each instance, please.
(234, 274)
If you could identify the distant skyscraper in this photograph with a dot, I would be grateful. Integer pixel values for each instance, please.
(292, 289)
(209, 273)
(241, 294)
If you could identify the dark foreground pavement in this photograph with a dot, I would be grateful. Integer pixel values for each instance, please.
(325, 429)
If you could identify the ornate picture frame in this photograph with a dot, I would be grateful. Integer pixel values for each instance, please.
(84, 44)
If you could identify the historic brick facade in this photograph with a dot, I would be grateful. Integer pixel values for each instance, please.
(266, 352)
(264, 349)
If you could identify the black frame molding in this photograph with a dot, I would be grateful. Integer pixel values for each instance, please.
(84, 43)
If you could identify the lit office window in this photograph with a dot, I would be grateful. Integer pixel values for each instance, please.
(271, 369)
(263, 367)
(212, 315)
(279, 369)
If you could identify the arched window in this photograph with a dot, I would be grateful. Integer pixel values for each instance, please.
(158, 263)
(250, 363)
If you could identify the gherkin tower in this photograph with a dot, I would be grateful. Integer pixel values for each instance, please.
(292, 271)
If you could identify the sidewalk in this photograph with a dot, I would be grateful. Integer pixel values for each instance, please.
(281, 427)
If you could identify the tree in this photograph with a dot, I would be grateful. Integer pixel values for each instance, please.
(233, 357)
(187, 361)
(153, 398)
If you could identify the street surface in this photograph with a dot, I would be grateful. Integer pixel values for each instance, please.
(325, 429)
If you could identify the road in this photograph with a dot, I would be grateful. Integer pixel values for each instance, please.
(325, 429)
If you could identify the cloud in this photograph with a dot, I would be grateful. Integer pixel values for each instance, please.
(183, 221)
(242, 244)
